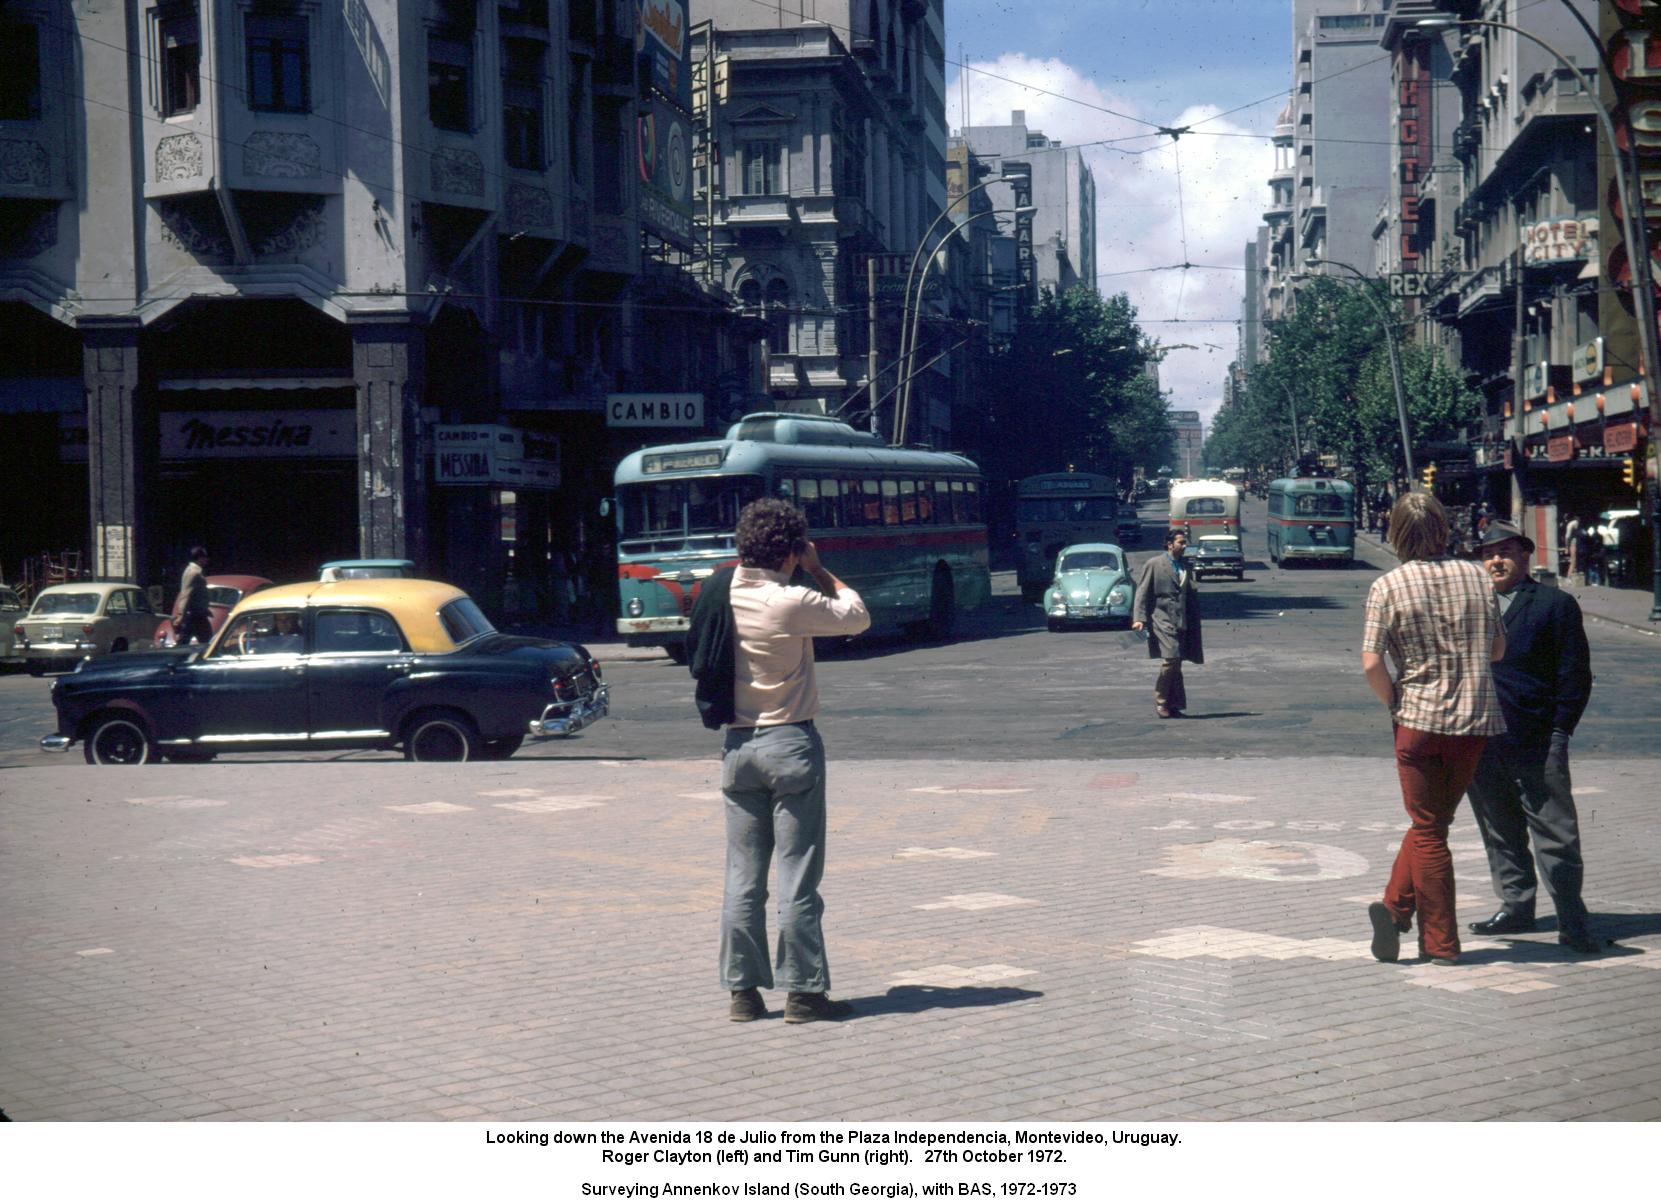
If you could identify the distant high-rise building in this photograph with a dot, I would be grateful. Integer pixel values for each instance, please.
(1063, 192)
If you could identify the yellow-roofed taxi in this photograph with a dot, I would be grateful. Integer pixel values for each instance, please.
(350, 664)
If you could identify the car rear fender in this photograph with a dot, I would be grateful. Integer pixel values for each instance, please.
(499, 703)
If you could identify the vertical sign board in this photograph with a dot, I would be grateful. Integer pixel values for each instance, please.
(1631, 33)
(1413, 140)
(661, 33)
(663, 126)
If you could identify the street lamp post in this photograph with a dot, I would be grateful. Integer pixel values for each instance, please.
(902, 417)
(911, 272)
(1395, 359)
(1637, 253)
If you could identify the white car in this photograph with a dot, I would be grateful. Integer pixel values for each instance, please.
(11, 609)
(69, 622)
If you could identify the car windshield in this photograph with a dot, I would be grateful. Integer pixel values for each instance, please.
(463, 620)
(50, 604)
(1090, 560)
(1223, 544)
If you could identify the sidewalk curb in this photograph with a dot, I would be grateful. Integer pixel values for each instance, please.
(1651, 630)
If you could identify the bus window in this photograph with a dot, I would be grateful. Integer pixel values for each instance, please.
(960, 504)
(908, 502)
(925, 501)
(971, 489)
(653, 509)
(1321, 504)
(830, 505)
(1205, 506)
(870, 502)
(807, 500)
(890, 503)
(712, 505)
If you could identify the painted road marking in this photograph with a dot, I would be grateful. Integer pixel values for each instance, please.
(512, 792)
(942, 853)
(430, 807)
(555, 804)
(90, 951)
(1299, 862)
(175, 802)
(938, 790)
(978, 900)
(274, 860)
(700, 796)
(949, 975)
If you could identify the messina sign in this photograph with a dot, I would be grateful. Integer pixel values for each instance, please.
(259, 433)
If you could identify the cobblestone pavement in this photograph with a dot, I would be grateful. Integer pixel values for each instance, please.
(1172, 939)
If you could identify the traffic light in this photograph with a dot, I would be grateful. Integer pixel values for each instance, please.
(1629, 472)
(1428, 476)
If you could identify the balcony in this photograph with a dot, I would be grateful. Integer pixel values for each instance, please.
(1467, 139)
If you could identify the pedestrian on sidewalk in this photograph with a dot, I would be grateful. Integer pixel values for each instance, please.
(773, 760)
(1438, 620)
(1572, 540)
(1595, 559)
(1522, 780)
(1167, 606)
(191, 617)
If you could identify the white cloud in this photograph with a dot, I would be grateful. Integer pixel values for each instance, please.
(1139, 221)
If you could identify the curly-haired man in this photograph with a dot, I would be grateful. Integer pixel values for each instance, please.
(773, 765)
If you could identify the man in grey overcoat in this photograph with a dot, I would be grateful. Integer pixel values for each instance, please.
(1167, 606)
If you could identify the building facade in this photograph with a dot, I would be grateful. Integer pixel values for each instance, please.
(270, 260)
(832, 161)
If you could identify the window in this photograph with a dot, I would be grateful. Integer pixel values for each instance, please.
(181, 60)
(463, 620)
(356, 632)
(20, 81)
(1205, 506)
(276, 632)
(450, 82)
(522, 91)
(778, 317)
(866, 502)
(760, 163)
(117, 605)
(279, 63)
(890, 502)
(749, 296)
(908, 502)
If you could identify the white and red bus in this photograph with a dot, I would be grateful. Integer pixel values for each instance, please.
(905, 527)
(1205, 507)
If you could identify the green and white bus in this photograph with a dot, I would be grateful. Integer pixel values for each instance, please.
(905, 527)
(1311, 519)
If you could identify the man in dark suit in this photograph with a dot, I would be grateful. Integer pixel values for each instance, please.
(1522, 782)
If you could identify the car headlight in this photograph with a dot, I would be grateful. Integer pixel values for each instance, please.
(635, 607)
(1116, 597)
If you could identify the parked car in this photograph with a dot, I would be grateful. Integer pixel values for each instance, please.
(224, 591)
(76, 620)
(11, 609)
(355, 664)
(1217, 554)
(1091, 584)
(366, 569)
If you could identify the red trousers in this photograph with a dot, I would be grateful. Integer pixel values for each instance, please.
(1435, 770)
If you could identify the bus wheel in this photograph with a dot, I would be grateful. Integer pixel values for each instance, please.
(677, 652)
(942, 605)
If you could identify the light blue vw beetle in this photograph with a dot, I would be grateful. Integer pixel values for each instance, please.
(1092, 584)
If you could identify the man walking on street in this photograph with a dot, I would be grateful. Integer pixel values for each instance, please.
(191, 618)
(773, 763)
(1522, 782)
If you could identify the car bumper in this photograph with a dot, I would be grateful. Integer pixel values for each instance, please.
(633, 626)
(37, 651)
(1317, 552)
(1205, 565)
(567, 717)
(1091, 613)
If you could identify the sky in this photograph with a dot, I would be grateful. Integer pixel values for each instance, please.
(1159, 203)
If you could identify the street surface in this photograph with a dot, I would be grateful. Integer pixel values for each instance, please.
(1045, 904)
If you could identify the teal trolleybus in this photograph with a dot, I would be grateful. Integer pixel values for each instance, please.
(1055, 510)
(904, 527)
(1311, 519)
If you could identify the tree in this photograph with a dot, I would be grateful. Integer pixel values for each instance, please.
(1073, 391)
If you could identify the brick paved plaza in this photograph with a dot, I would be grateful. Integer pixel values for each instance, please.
(1123, 939)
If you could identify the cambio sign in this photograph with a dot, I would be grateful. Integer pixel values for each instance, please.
(628, 410)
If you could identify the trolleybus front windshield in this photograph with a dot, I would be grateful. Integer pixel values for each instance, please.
(1035, 509)
(671, 508)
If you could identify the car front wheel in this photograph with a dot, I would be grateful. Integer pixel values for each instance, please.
(117, 740)
(440, 738)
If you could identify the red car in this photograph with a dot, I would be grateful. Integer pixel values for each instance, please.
(223, 593)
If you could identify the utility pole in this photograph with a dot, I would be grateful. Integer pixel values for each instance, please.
(871, 336)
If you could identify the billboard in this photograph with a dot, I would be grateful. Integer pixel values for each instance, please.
(663, 142)
(661, 34)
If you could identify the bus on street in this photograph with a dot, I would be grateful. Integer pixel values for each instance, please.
(1311, 519)
(906, 528)
(1205, 507)
(1056, 510)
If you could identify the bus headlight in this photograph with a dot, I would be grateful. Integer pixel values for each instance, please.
(636, 609)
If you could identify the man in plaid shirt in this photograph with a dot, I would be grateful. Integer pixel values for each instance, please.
(1438, 621)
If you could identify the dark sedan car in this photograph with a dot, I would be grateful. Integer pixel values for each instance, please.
(356, 664)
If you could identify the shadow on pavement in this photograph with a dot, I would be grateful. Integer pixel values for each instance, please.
(1216, 606)
(916, 998)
